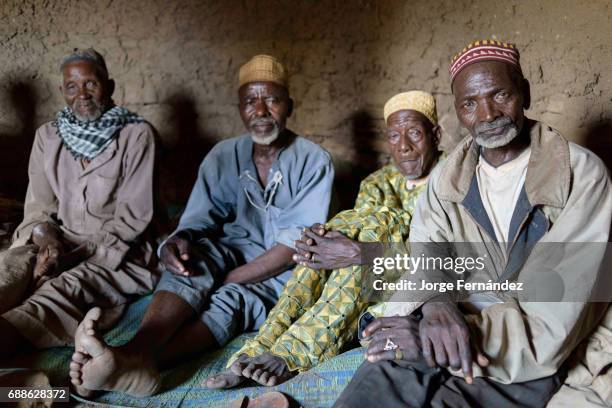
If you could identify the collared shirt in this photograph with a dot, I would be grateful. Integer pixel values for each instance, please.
(109, 203)
(229, 203)
(500, 188)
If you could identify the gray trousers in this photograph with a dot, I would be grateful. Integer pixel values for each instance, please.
(404, 384)
(227, 310)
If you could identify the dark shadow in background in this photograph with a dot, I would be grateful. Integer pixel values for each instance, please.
(179, 163)
(364, 132)
(16, 138)
(599, 140)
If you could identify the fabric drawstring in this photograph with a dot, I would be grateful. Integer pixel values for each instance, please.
(270, 190)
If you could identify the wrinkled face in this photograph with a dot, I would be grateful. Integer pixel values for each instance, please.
(489, 101)
(264, 109)
(413, 142)
(85, 91)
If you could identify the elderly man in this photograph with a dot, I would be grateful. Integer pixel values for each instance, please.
(319, 310)
(89, 200)
(513, 184)
(231, 254)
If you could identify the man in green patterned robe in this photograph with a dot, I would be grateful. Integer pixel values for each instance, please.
(319, 310)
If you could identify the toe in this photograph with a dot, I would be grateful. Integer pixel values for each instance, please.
(248, 371)
(263, 378)
(257, 373)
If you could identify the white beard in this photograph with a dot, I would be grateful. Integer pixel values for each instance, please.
(267, 138)
(497, 141)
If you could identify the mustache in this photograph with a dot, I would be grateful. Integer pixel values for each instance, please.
(262, 121)
(497, 123)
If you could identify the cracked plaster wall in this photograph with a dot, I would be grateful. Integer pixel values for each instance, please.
(176, 64)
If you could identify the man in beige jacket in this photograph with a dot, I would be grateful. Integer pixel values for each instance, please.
(537, 209)
(89, 200)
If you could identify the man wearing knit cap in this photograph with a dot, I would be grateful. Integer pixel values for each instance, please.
(231, 254)
(88, 204)
(537, 209)
(319, 311)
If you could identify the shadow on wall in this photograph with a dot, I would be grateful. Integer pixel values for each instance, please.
(16, 138)
(599, 140)
(364, 132)
(179, 163)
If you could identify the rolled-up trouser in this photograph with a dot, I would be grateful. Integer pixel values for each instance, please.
(51, 315)
(227, 310)
(404, 384)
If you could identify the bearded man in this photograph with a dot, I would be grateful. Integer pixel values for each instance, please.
(89, 200)
(231, 255)
(517, 192)
(322, 306)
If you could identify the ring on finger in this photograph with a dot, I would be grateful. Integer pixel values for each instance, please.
(390, 345)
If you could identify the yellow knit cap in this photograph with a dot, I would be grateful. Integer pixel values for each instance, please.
(263, 68)
(416, 100)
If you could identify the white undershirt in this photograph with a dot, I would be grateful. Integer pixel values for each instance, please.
(500, 188)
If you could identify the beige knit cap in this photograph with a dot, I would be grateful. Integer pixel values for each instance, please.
(419, 101)
(263, 68)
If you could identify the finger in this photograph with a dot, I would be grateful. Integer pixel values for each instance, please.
(466, 359)
(382, 322)
(170, 259)
(183, 249)
(482, 360)
(383, 355)
(318, 229)
(297, 258)
(303, 248)
(439, 351)
(316, 238)
(452, 351)
(427, 349)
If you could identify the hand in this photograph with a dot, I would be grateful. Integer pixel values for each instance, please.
(46, 267)
(304, 255)
(331, 251)
(402, 332)
(445, 335)
(173, 255)
(50, 248)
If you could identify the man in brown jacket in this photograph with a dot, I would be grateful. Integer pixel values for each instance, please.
(89, 200)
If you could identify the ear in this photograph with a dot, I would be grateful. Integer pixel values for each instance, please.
(526, 88)
(437, 135)
(289, 107)
(111, 87)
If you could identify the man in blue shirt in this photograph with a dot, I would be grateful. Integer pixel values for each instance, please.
(228, 260)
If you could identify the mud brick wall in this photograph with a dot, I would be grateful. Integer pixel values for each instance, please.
(176, 62)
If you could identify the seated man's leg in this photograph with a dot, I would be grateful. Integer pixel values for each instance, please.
(483, 392)
(16, 266)
(168, 330)
(50, 317)
(323, 329)
(390, 383)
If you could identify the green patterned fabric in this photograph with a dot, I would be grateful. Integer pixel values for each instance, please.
(318, 312)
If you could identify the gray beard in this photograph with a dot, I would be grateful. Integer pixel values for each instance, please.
(94, 116)
(497, 141)
(267, 138)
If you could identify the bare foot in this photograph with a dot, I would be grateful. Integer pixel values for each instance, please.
(230, 378)
(267, 369)
(96, 366)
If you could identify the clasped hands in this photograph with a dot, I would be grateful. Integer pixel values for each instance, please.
(319, 248)
(442, 338)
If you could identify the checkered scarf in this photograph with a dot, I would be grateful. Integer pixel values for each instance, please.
(89, 139)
